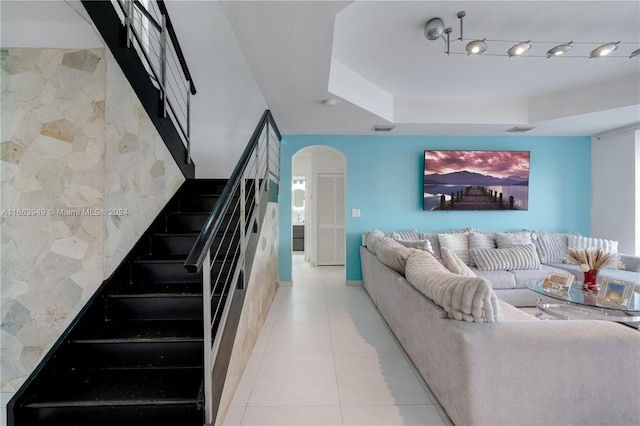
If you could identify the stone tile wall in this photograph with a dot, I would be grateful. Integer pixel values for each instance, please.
(261, 289)
(75, 143)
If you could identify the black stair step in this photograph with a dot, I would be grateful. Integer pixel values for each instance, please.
(138, 353)
(194, 203)
(171, 271)
(161, 271)
(165, 244)
(193, 287)
(153, 306)
(203, 186)
(120, 397)
(195, 221)
(144, 330)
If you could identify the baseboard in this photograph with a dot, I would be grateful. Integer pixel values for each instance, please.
(353, 282)
(286, 283)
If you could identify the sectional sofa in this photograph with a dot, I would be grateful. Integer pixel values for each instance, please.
(549, 250)
(489, 363)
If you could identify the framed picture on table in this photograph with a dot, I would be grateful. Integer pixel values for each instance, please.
(616, 291)
(558, 282)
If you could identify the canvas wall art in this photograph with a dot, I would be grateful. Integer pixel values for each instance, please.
(476, 180)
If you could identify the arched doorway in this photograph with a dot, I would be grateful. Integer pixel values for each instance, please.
(318, 212)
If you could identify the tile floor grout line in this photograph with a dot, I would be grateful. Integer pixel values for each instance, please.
(333, 356)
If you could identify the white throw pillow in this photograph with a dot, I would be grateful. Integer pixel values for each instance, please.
(457, 243)
(418, 244)
(454, 264)
(512, 239)
(579, 243)
(371, 237)
(408, 235)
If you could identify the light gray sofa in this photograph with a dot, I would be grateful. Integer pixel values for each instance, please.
(518, 371)
(510, 285)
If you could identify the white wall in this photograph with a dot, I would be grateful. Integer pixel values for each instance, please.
(229, 102)
(615, 188)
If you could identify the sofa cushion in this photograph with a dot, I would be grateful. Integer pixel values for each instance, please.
(576, 242)
(500, 280)
(392, 253)
(512, 239)
(457, 243)
(482, 239)
(463, 298)
(454, 264)
(506, 259)
(552, 246)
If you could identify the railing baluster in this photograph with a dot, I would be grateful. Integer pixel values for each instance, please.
(163, 66)
(188, 126)
(128, 21)
(206, 308)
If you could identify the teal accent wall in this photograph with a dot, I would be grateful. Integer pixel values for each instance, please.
(384, 181)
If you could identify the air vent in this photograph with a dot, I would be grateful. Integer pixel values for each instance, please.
(519, 129)
(383, 127)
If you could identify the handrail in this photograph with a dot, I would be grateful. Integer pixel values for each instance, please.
(212, 225)
(176, 44)
(150, 31)
(225, 267)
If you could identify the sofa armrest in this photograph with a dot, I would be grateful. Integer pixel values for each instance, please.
(631, 262)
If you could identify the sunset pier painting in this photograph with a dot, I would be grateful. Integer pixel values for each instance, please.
(476, 180)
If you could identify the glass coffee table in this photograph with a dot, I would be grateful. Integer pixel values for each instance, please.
(578, 304)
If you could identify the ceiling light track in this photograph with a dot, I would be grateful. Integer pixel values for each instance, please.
(435, 29)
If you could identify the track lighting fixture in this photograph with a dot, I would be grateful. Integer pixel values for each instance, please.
(560, 49)
(519, 49)
(435, 29)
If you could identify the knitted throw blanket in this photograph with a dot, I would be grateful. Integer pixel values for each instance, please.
(463, 298)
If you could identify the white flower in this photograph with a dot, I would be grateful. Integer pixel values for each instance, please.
(584, 267)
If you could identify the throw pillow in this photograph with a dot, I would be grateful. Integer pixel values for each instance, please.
(371, 237)
(480, 239)
(433, 239)
(409, 235)
(392, 253)
(506, 259)
(454, 264)
(457, 243)
(578, 243)
(552, 246)
(418, 244)
(512, 239)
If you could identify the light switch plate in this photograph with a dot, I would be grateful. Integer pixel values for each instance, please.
(355, 212)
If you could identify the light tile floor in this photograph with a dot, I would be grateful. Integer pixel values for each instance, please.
(326, 357)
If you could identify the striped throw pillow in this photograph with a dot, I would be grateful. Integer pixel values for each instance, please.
(506, 259)
(457, 243)
(552, 246)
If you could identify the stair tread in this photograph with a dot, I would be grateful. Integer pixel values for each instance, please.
(163, 330)
(122, 387)
(153, 295)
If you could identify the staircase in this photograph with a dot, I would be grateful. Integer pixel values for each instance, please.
(134, 356)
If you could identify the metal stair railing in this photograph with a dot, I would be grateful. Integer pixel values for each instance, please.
(219, 252)
(150, 32)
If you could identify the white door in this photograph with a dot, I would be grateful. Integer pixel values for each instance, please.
(330, 202)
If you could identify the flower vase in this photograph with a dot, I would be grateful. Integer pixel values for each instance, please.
(590, 282)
